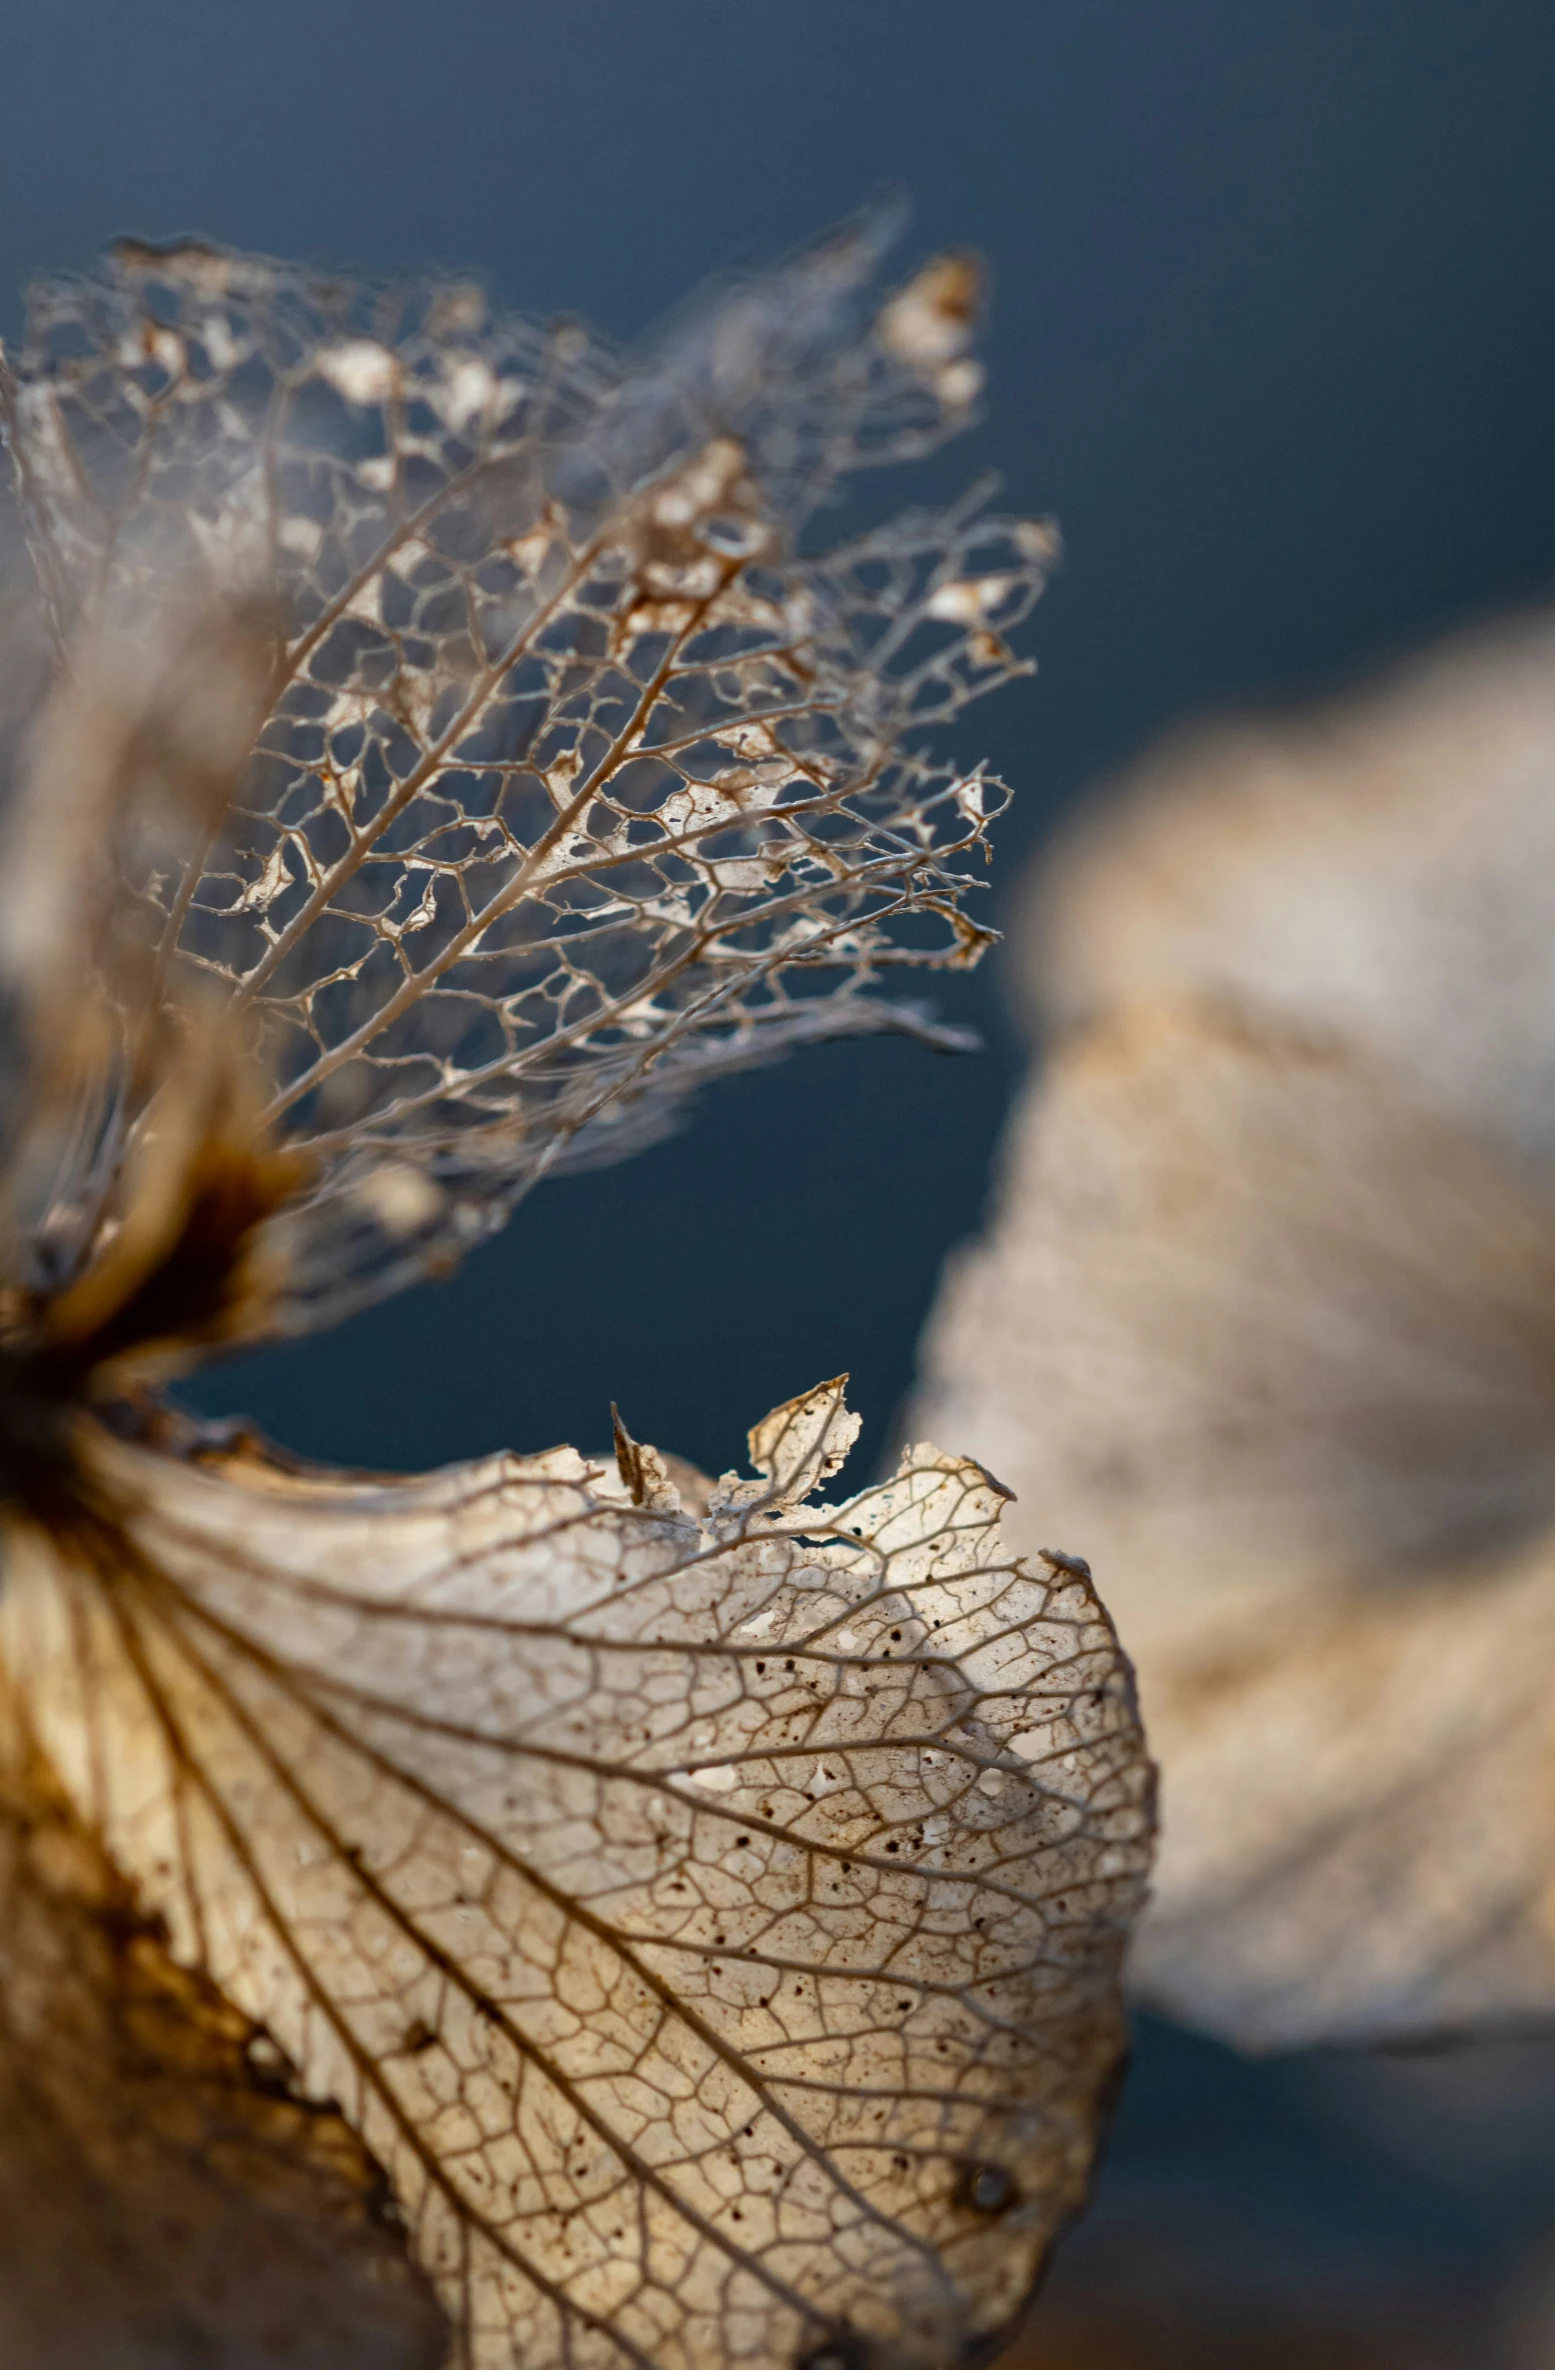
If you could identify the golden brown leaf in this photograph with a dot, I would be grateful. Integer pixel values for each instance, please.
(165, 2200)
(705, 1912)
(710, 1926)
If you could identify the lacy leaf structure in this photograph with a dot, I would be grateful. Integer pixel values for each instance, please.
(432, 747)
(710, 1923)
(466, 718)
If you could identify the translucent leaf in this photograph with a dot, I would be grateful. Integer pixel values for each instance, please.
(165, 2201)
(803, 1444)
(701, 1906)
(1267, 1317)
(711, 1925)
(579, 776)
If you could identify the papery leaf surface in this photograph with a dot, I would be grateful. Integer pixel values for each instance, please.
(710, 1925)
(165, 2199)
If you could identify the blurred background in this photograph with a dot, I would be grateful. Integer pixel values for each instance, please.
(1273, 335)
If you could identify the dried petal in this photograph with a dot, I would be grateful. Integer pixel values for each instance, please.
(165, 2201)
(1267, 1319)
(802, 1444)
(578, 784)
(711, 1928)
(1381, 868)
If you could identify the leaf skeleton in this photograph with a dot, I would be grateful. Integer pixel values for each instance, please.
(433, 750)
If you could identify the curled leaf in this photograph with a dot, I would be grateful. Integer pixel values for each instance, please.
(710, 1926)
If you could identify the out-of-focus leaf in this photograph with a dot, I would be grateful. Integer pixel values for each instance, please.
(1267, 1317)
(1382, 867)
(566, 773)
(710, 1925)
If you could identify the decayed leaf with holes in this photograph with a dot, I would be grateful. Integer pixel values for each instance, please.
(1267, 1317)
(482, 743)
(705, 1912)
(711, 1925)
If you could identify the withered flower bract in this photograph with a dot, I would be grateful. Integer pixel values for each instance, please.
(1267, 1314)
(433, 753)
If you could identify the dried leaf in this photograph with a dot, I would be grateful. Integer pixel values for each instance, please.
(1381, 867)
(165, 2200)
(579, 780)
(704, 1907)
(804, 1443)
(711, 1927)
(1267, 1318)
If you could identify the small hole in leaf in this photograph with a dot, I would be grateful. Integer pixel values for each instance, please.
(987, 2189)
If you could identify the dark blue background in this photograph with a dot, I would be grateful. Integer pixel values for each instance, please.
(1274, 335)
